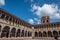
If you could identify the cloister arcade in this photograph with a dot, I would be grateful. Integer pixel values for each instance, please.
(5, 32)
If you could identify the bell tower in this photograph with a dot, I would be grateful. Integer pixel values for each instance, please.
(45, 19)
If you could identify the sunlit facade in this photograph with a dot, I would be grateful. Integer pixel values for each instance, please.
(13, 28)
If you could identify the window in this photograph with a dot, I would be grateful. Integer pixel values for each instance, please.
(43, 21)
(2, 16)
(47, 21)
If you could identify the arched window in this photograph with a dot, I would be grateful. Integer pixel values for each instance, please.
(5, 31)
(36, 34)
(13, 32)
(55, 33)
(40, 34)
(44, 34)
(49, 34)
(3, 15)
(18, 33)
(22, 33)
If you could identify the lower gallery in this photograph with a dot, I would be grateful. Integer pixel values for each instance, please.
(13, 28)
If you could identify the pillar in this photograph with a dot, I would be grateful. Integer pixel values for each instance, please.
(33, 33)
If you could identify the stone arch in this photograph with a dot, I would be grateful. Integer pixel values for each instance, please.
(40, 34)
(18, 33)
(55, 33)
(36, 34)
(13, 32)
(5, 31)
(49, 34)
(44, 34)
(22, 33)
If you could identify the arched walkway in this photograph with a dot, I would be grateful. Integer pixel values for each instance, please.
(49, 34)
(55, 33)
(44, 34)
(36, 34)
(5, 31)
(40, 34)
(25, 33)
(29, 34)
(22, 33)
(18, 33)
(13, 32)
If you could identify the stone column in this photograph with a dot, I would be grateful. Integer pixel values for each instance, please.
(33, 32)
(0, 15)
(8, 20)
(27, 33)
(12, 21)
(24, 33)
(20, 32)
(4, 17)
(10, 32)
(52, 33)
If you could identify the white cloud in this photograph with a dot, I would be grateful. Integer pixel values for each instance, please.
(38, 21)
(31, 21)
(2, 2)
(31, 0)
(49, 9)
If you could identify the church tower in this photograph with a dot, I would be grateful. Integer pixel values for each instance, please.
(45, 19)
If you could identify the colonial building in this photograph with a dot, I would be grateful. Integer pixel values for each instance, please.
(13, 28)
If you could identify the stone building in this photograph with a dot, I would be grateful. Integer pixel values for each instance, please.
(13, 28)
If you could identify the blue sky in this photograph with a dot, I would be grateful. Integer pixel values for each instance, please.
(31, 11)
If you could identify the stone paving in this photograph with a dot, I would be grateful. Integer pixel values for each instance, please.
(29, 38)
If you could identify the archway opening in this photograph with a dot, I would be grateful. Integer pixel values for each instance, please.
(13, 32)
(44, 34)
(5, 31)
(36, 34)
(28, 33)
(22, 33)
(49, 34)
(55, 33)
(40, 34)
(18, 33)
(25, 33)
